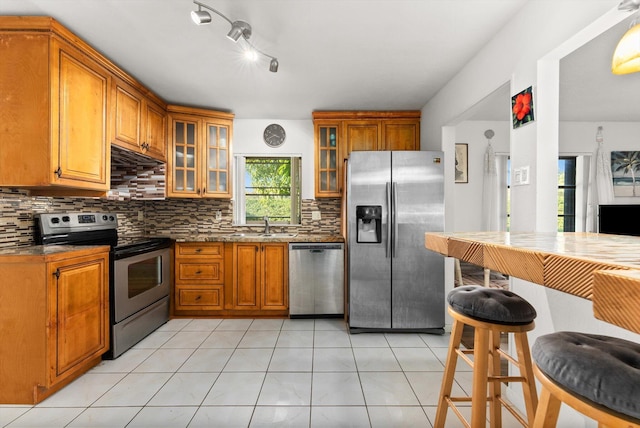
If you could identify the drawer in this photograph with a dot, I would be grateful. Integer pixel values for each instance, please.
(199, 298)
(195, 249)
(198, 270)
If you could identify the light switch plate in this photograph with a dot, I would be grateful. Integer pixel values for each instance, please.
(315, 215)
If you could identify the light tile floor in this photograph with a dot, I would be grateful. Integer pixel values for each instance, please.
(256, 373)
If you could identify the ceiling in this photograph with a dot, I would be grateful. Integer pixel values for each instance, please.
(333, 54)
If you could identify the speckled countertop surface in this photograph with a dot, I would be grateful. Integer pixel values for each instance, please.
(256, 237)
(47, 250)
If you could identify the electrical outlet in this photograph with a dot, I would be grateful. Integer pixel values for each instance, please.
(218, 215)
(140, 215)
(315, 215)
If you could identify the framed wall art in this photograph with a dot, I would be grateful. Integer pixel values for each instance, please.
(625, 169)
(462, 163)
(522, 107)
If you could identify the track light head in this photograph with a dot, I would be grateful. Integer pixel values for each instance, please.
(273, 65)
(200, 17)
(239, 28)
(629, 5)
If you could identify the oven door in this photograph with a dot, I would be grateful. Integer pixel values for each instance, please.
(140, 281)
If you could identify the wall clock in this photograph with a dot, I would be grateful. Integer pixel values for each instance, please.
(274, 135)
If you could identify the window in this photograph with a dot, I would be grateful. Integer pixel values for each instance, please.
(567, 194)
(268, 186)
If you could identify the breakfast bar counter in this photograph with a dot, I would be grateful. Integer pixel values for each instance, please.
(599, 267)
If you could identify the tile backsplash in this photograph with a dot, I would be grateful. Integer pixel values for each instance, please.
(160, 217)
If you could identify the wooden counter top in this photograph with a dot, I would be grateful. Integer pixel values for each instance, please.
(567, 262)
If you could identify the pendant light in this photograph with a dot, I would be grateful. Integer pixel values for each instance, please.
(626, 57)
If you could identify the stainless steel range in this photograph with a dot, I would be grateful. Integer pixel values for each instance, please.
(139, 273)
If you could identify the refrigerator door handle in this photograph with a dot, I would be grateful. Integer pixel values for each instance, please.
(394, 218)
(389, 219)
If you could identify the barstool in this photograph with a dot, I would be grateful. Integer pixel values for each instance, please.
(491, 312)
(599, 376)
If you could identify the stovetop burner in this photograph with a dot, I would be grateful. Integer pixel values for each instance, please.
(131, 245)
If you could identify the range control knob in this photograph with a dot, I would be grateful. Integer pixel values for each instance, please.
(104, 217)
(55, 220)
(112, 218)
(66, 219)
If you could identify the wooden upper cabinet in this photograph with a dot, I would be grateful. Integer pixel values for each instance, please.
(155, 131)
(328, 157)
(361, 135)
(401, 135)
(55, 110)
(140, 123)
(358, 131)
(199, 161)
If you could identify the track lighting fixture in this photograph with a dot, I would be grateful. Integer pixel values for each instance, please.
(626, 57)
(238, 29)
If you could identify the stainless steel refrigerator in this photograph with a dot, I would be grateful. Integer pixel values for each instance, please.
(395, 283)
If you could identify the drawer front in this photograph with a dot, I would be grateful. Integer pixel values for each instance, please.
(211, 272)
(199, 298)
(199, 249)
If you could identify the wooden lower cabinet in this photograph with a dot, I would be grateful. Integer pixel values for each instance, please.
(231, 279)
(260, 276)
(54, 320)
(199, 277)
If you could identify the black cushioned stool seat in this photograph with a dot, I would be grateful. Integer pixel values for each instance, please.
(601, 371)
(491, 304)
(491, 312)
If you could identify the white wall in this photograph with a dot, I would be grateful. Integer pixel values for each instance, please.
(247, 140)
(468, 198)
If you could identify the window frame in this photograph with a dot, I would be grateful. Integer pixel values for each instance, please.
(240, 213)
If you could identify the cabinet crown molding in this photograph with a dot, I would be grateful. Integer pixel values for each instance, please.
(357, 114)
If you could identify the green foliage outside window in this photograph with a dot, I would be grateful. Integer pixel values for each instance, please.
(268, 190)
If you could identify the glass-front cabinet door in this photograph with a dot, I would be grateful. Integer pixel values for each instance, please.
(200, 152)
(217, 159)
(328, 159)
(184, 168)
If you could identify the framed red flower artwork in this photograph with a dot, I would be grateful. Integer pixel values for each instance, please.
(522, 107)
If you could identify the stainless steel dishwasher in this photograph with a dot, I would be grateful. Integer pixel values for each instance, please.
(316, 279)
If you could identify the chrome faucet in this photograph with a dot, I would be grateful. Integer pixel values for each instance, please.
(266, 224)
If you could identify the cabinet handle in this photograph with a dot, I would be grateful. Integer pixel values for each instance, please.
(204, 190)
(198, 272)
(198, 297)
(198, 250)
(58, 172)
(57, 273)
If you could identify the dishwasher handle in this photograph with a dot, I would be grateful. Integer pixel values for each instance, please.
(315, 248)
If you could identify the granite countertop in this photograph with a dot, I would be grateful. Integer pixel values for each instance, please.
(256, 237)
(47, 250)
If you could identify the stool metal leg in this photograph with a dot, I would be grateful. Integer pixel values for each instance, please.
(449, 373)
